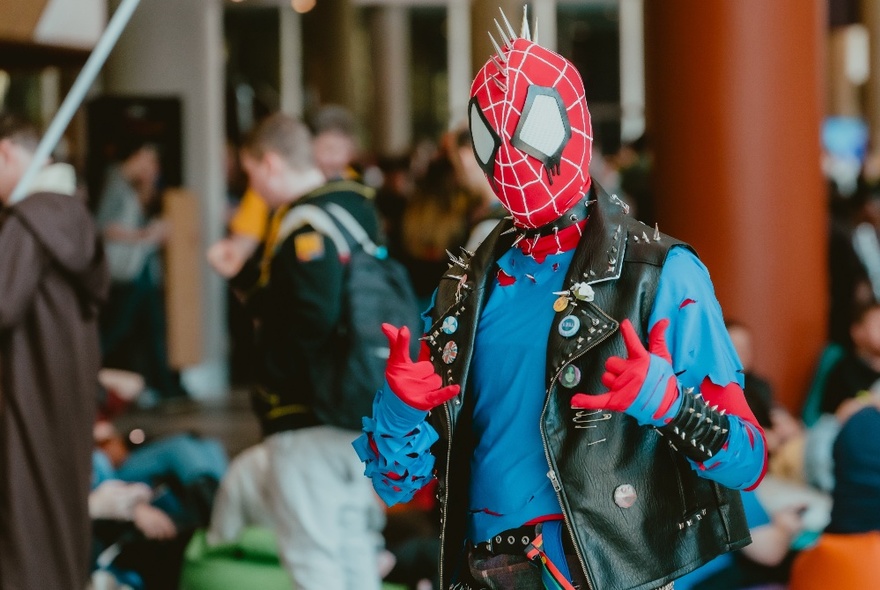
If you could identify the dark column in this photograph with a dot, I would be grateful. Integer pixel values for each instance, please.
(734, 105)
(328, 40)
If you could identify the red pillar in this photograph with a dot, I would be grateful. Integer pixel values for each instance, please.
(734, 104)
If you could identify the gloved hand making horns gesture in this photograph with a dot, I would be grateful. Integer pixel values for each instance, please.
(642, 385)
(415, 383)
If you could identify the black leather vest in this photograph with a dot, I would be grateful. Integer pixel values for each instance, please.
(597, 461)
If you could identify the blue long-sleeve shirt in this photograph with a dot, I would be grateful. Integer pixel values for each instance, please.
(396, 441)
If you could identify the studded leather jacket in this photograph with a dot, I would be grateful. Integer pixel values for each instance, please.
(678, 520)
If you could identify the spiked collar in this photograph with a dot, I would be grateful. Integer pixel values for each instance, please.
(576, 214)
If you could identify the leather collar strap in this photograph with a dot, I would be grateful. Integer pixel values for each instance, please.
(574, 215)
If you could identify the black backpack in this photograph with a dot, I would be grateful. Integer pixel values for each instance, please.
(376, 290)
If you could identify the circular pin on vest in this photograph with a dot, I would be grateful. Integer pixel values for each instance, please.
(569, 326)
(625, 495)
(450, 325)
(570, 376)
(560, 304)
(450, 351)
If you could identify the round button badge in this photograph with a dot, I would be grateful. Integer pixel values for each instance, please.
(625, 495)
(450, 325)
(569, 326)
(560, 304)
(450, 352)
(570, 376)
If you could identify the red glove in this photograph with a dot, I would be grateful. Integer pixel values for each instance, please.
(416, 384)
(648, 396)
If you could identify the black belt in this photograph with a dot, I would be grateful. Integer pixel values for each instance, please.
(509, 542)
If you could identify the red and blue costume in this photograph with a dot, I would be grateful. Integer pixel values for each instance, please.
(531, 133)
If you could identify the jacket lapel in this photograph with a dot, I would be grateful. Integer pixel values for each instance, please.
(582, 324)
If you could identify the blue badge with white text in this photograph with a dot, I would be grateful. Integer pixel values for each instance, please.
(569, 326)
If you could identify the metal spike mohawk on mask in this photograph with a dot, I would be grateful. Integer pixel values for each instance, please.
(508, 41)
(507, 23)
(508, 35)
(498, 50)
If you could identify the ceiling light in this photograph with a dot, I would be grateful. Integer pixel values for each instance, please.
(302, 6)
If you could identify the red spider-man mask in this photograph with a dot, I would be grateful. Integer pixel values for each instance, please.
(531, 130)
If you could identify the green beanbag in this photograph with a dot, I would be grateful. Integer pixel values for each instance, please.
(252, 562)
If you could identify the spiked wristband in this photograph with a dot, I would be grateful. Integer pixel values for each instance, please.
(697, 430)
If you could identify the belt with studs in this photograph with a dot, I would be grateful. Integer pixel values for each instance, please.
(509, 542)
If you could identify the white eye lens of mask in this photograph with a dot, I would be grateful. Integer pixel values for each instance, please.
(484, 143)
(485, 140)
(543, 130)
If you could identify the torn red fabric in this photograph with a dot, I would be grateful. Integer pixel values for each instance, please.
(504, 279)
(731, 398)
(563, 241)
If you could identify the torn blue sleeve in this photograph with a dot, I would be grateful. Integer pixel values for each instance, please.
(697, 337)
(397, 441)
(700, 346)
(740, 463)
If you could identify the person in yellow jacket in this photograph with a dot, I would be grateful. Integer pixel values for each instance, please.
(247, 230)
(334, 146)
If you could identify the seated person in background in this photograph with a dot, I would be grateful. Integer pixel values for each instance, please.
(851, 383)
(184, 458)
(146, 501)
(778, 423)
(858, 371)
(766, 560)
(847, 553)
(188, 464)
(818, 456)
(131, 535)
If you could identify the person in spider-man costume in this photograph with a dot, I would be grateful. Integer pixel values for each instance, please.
(577, 396)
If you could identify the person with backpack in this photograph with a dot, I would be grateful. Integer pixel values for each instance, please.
(328, 521)
(577, 395)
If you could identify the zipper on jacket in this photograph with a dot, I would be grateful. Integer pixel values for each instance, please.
(553, 479)
(557, 487)
(445, 503)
